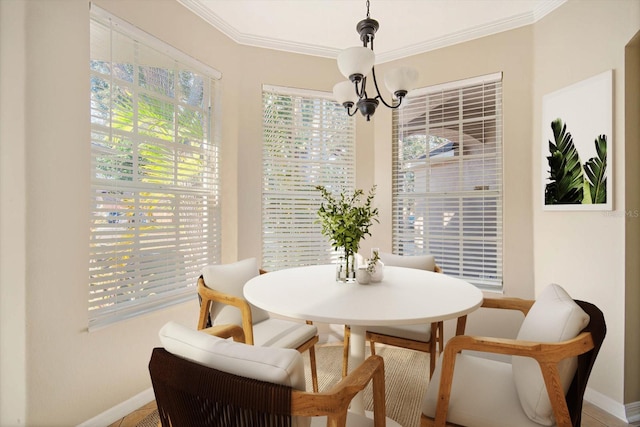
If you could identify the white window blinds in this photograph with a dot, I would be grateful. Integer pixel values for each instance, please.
(447, 178)
(308, 140)
(154, 207)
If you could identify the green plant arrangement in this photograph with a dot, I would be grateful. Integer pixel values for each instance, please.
(346, 219)
(570, 182)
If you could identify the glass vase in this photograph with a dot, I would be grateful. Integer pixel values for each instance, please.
(346, 268)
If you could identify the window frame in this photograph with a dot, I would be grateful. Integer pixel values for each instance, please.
(470, 248)
(293, 205)
(165, 200)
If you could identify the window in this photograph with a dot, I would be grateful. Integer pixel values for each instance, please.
(308, 140)
(154, 215)
(447, 178)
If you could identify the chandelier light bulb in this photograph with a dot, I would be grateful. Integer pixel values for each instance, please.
(356, 62)
(344, 93)
(400, 80)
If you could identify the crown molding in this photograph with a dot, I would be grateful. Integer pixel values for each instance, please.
(543, 9)
(546, 8)
(197, 7)
(473, 33)
(288, 46)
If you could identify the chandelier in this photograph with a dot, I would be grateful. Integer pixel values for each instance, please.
(356, 63)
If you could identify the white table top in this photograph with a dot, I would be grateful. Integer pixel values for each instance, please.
(405, 296)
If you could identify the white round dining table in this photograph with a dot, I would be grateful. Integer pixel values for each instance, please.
(405, 296)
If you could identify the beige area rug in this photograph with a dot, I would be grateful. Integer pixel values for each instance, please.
(406, 379)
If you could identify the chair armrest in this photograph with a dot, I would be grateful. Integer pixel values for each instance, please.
(546, 354)
(541, 351)
(209, 295)
(334, 403)
(226, 331)
(508, 303)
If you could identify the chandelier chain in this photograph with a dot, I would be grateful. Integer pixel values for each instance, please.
(368, 4)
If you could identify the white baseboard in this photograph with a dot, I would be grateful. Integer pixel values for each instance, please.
(121, 410)
(606, 403)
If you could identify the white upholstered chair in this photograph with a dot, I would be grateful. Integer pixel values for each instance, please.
(422, 337)
(205, 381)
(544, 384)
(220, 289)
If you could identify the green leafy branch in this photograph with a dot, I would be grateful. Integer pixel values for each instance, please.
(346, 219)
(595, 168)
(570, 182)
(566, 178)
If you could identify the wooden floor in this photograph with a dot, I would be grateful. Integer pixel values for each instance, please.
(136, 416)
(592, 416)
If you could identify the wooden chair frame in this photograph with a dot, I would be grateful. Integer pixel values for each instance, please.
(209, 296)
(548, 355)
(333, 403)
(434, 346)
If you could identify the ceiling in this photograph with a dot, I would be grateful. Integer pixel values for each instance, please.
(325, 27)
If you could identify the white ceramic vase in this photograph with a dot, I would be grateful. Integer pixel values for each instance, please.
(362, 275)
(378, 273)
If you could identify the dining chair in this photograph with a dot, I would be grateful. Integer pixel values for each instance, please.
(421, 337)
(202, 380)
(222, 302)
(544, 383)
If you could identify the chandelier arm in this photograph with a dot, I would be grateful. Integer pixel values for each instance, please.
(362, 92)
(375, 82)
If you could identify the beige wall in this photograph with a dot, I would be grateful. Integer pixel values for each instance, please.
(64, 375)
(585, 251)
(54, 372)
(13, 363)
(632, 206)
